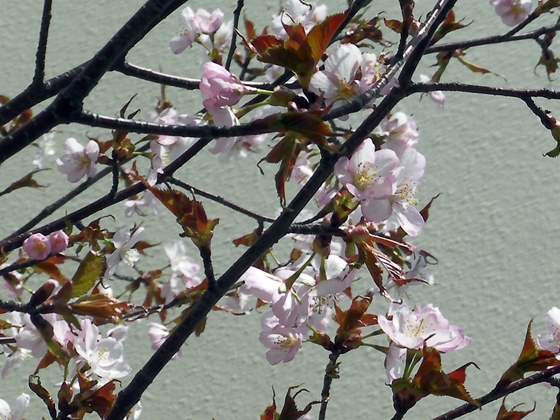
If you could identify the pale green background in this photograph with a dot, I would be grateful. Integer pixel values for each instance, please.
(494, 228)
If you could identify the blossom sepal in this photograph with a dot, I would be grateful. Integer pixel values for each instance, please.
(531, 359)
(351, 322)
(190, 214)
(430, 380)
(513, 414)
(290, 410)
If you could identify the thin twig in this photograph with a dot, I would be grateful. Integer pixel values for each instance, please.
(219, 200)
(330, 373)
(236, 14)
(490, 40)
(493, 396)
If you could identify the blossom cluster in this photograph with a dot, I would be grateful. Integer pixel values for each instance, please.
(364, 213)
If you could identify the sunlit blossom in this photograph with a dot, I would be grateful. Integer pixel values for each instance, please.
(512, 12)
(124, 241)
(16, 410)
(78, 161)
(413, 329)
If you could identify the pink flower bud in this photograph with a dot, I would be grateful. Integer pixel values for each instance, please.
(58, 241)
(37, 246)
(219, 87)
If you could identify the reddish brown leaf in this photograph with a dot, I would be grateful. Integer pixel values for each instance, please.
(505, 414)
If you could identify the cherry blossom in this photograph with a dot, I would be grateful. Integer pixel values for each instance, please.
(104, 356)
(219, 41)
(166, 149)
(551, 340)
(413, 329)
(395, 362)
(45, 147)
(283, 342)
(368, 173)
(16, 410)
(37, 246)
(139, 206)
(78, 161)
(124, 241)
(512, 12)
(411, 169)
(158, 334)
(436, 95)
(208, 23)
(186, 34)
(341, 81)
(181, 265)
(399, 132)
(307, 14)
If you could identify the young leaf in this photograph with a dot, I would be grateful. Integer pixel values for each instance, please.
(87, 274)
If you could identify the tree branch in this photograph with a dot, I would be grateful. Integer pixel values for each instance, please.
(39, 75)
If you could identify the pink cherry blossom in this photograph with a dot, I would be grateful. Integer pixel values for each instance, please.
(395, 362)
(401, 202)
(219, 87)
(208, 23)
(37, 246)
(368, 173)
(422, 326)
(283, 342)
(512, 12)
(186, 34)
(78, 161)
(58, 241)
(141, 205)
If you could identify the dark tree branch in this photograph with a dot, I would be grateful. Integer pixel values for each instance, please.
(483, 90)
(537, 378)
(236, 14)
(102, 203)
(169, 80)
(34, 95)
(69, 102)
(40, 57)
(490, 40)
(206, 131)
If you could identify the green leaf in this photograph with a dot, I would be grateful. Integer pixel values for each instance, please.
(87, 274)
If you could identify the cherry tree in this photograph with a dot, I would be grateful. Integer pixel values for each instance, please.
(314, 95)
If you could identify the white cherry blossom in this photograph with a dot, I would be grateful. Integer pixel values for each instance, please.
(413, 329)
(16, 410)
(78, 161)
(124, 241)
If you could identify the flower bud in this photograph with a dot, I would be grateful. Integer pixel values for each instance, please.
(43, 293)
(37, 246)
(58, 241)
